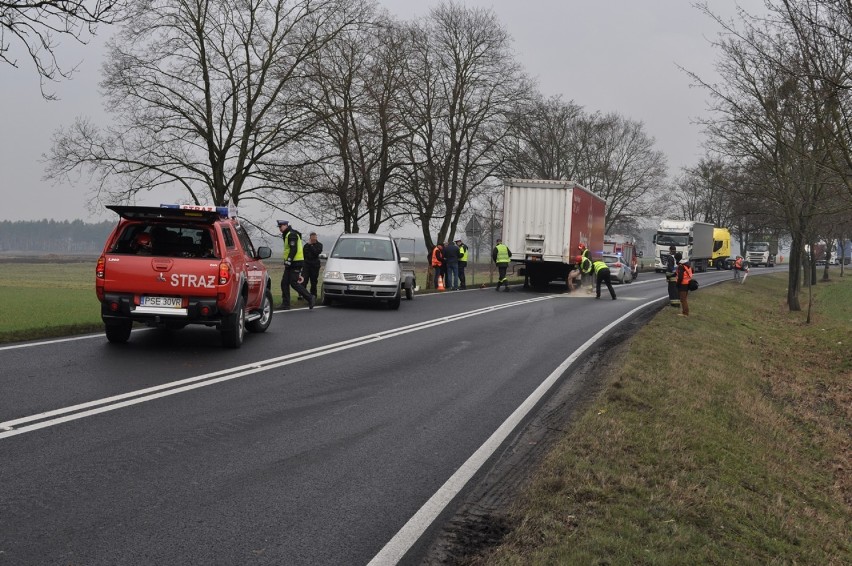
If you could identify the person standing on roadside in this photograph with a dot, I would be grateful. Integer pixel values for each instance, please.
(671, 276)
(294, 259)
(684, 276)
(463, 255)
(312, 251)
(451, 259)
(738, 266)
(602, 275)
(438, 262)
(501, 254)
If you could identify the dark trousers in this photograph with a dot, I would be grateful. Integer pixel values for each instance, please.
(501, 275)
(462, 280)
(604, 277)
(292, 274)
(683, 292)
(312, 276)
(674, 298)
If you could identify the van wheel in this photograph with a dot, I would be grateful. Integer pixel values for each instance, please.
(262, 323)
(234, 327)
(118, 332)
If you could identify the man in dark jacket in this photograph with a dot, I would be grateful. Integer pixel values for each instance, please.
(312, 250)
(451, 258)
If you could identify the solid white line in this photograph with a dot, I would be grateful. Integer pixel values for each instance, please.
(403, 540)
(90, 408)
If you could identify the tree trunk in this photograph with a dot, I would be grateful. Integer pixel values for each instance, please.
(794, 274)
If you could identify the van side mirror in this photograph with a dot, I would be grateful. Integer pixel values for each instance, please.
(323, 255)
(404, 259)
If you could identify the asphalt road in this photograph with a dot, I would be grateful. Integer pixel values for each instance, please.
(337, 437)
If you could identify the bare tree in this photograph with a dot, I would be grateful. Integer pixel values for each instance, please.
(546, 140)
(769, 118)
(356, 86)
(207, 99)
(35, 26)
(622, 166)
(461, 81)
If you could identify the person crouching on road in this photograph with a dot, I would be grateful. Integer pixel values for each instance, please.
(501, 256)
(574, 276)
(294, 258)
(684, 275)
(602, 275)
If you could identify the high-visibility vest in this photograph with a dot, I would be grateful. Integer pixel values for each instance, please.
(585, 265)
(739, 263)
(437, 256)
(300, 254)
(463, 250)
(598, 265)
(502, 253)
(687, 274)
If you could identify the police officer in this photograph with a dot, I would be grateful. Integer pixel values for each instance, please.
(671, 275)
(463, 255)
(501, 255)
(312, 251)
(602, 275)
(294, 258)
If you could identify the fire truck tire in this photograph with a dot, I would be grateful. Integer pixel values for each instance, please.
(262, 323)
(118, 332)
(234, 326)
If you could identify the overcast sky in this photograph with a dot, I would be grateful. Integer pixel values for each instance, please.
(612, 56)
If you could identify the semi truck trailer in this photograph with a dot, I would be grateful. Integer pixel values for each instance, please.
(694, 240)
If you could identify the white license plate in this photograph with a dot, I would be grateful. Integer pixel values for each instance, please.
(169, 302)
(359, 288)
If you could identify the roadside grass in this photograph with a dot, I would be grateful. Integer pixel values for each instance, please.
(724, 438)
(45, 300)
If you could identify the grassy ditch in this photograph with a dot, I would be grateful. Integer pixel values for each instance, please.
(725, 438)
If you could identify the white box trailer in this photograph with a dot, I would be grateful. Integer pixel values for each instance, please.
(545, 221)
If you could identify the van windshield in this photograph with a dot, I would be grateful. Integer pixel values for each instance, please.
(363, 248)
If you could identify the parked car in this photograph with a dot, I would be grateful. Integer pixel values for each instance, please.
(366, 267)
(618, 269)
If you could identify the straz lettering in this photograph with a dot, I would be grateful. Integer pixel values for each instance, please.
(192, 280)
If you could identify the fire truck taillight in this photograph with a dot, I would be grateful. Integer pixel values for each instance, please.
(224, 273)
(99, 269)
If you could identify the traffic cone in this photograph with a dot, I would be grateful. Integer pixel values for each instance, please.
(441, 283)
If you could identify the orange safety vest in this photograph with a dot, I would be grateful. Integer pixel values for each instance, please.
(739, 263)
(687, 275)
(437, 256)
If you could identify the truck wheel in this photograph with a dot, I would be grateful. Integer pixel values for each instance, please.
(234, 326)
(118, 332)
(262, 323)
(393, 304)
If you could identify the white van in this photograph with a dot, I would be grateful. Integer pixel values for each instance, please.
(366, 267)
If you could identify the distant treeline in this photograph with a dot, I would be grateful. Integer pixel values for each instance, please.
(53, 236)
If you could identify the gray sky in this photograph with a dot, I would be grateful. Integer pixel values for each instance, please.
(613, 56)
